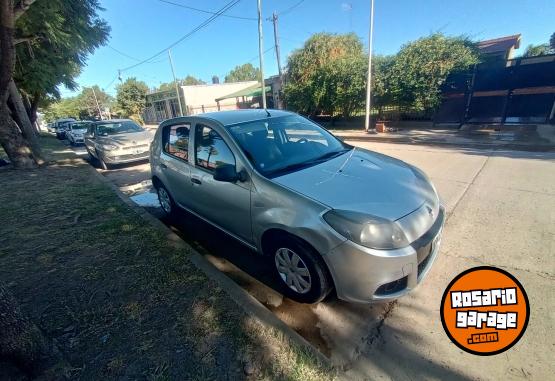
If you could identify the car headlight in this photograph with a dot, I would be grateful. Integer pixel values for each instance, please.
(367, 230)
(108, 147)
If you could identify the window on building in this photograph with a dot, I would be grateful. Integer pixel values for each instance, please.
(211, 149)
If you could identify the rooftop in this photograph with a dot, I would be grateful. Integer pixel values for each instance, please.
(499, 44)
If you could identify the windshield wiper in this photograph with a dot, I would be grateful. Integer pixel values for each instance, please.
(331, 155)
(308, 163)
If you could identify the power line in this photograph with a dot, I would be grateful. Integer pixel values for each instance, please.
(199, 27)
(286, 11)
(205, 11)
(122, 53)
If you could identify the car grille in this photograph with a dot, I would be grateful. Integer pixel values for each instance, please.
(135, 147)
(138, 156)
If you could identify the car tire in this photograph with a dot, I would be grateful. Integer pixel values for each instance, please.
(166, 201)
(101, 163)
(311, 283)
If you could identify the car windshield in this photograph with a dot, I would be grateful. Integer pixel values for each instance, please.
(79, 126)
(277, 146)
(114, 128)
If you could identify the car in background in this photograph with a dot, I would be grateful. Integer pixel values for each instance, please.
(323, 213)
(75, 132)
(60, 126)
(50, 127)
(117, 141)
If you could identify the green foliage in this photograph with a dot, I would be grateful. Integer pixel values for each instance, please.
(187, 81)
(421, 67)
(82, 106)
(131, 98)
(245, 72)
(325, 74)
(328, 74)
(537, 50)
(60, 35)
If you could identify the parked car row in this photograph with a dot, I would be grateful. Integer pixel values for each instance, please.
(114, 141)
(325, 214)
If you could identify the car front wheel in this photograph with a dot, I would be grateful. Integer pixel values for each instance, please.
(301, 270)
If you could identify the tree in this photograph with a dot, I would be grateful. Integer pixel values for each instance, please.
(245, 72)
(87, 102)
(537, 50)
(552, 42)
(52, 40)
(325, 73)
(64, 108)
(131, 98)
(421, 67)
(187, 81)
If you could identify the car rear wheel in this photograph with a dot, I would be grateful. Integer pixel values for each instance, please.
(166, 201)
(300, 269)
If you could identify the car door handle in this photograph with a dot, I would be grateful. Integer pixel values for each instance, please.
(194, 180)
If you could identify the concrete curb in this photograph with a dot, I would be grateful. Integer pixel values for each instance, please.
(246, 301)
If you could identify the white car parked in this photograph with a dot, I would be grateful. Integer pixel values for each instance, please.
(75, 132)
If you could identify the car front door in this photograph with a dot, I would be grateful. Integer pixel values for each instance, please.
(174, 161)
(222, 203)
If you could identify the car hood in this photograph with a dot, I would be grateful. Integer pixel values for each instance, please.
(366, 182)
(129, 139)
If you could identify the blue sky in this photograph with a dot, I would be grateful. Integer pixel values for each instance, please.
(141, 28)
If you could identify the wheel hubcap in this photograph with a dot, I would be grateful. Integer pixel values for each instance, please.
(292, 270)
(164, 199)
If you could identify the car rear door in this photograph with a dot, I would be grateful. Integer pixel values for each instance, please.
(174, 161)
(222, 203)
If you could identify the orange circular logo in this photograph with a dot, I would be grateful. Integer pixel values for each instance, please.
(485, 310)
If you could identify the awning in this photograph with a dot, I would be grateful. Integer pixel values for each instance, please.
(251, 91)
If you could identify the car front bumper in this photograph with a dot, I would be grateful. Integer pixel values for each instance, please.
(363, 275)
(122, 158)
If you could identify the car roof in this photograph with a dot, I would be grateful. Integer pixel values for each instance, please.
(235, 116)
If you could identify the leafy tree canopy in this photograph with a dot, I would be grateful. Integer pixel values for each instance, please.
(131, 98)
(537, 50)
(188, 80)
(245, 72)
(421, 67)
(56, 36)
(82, 106)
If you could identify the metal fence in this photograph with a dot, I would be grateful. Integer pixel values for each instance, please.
(521, 90)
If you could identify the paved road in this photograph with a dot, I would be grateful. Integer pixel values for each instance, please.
(501, 212)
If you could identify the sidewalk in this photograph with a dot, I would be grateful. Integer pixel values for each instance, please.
(542, 140)
(122, 298)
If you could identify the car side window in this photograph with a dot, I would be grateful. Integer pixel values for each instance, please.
(175, 140)
(211, 150)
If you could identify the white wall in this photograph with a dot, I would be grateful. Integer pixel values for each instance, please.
(197, 96)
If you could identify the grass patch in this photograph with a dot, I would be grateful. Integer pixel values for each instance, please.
(120, 300)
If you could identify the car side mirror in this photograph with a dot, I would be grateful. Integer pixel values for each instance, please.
(228, 173)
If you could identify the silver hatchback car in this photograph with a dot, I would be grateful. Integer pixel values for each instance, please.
(326, 215)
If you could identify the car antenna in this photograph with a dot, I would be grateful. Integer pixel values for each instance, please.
(267, 112)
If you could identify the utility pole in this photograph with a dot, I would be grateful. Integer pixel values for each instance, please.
(276, 42)
(369, 78)
(175, 82)
(97, 105)
(261, 54)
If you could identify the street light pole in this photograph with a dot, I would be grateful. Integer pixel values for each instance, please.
(261, 54)
(175, 82)
(369, 78)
